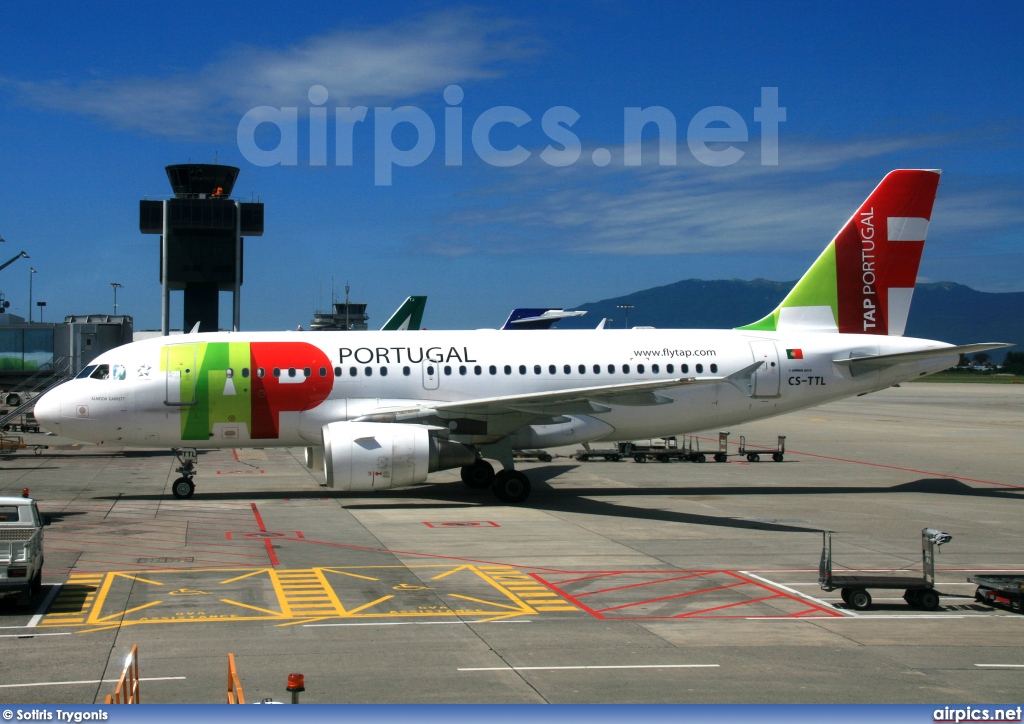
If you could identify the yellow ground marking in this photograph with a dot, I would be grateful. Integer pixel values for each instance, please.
(254, 608)
(488, 603)
(304, 595)
(371, 604)
(119, 614)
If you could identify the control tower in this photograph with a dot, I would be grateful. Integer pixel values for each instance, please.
(201, 241)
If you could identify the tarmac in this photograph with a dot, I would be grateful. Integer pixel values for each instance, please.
(616, 582)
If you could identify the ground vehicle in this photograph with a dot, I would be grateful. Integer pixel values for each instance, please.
(21, 549)
(1002, 590)
(918, 592)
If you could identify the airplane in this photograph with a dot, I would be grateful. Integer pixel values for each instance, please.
(543, 318)
(379, 411)
(408, 316)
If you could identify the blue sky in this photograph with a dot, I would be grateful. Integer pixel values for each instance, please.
(96, 100)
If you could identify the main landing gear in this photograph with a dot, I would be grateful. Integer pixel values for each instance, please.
(183, 487)
(508, 486)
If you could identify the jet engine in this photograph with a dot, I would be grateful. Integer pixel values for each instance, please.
(380, 455)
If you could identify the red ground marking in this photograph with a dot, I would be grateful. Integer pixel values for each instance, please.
(270, 548)
(806, 606)
(892, 467)
(635, 585)
(234, 451)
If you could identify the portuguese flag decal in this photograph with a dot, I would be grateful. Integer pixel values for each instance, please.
(794, 354)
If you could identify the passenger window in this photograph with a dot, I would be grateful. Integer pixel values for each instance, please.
(714, 368)
(567, 369)
(685, 369)
(369, 371)
(383, 371)
(430, 369)
(102, 372)
(655, 369)
(670, 368)
(536, 369)
(522, 369)
(119, 372)
(462, 369)
(447, 369)
(640, 369)
(306, 372)
(277, 372)
(700, 368)
(260, 372)
(625, 369)
(229, 373)
(611, 369)
(508, 369)
(406, 371)
(323, 371)
(87, 372)
(583, 369)
(337, 371)
(291, 371)
(597, 369)
(352, 372)
(551, 369)
(493, 370)
(245, 372)
(478, 370)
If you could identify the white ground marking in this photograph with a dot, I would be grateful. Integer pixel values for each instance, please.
(32, 635)
(818, 601)
(34, 621)
(90, 681)
(562, 668)
(1001, 666)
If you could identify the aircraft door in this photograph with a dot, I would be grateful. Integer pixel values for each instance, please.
(767, 379)
(180, 367)
(431, 375)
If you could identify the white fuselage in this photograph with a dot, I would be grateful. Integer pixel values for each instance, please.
(221, 389)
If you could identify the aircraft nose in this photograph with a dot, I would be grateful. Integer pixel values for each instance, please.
(47, 411)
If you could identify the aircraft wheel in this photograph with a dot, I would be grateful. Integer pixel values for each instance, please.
(183, 488)
(721, 457)
(753, 457)
(928, 599)
(478, 475)
(777, 457)
(511, 486)
(860, 599)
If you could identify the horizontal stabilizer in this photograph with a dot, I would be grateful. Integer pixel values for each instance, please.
(881, 361)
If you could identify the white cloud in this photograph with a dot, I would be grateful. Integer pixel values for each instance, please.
(747, 208)
(380, 65)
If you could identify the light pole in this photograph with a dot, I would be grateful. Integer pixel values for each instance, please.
(116, 286)
(31, 271)
(626, 307)
(40, 305)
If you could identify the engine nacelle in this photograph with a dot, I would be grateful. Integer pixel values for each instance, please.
(380, 455)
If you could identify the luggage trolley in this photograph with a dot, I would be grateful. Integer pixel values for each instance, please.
(753, 455)
(918, 592)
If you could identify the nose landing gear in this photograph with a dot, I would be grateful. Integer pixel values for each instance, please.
(183, 487)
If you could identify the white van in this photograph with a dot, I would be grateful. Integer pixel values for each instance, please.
(21, 549)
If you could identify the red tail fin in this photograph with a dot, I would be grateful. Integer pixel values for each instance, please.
(878, 252)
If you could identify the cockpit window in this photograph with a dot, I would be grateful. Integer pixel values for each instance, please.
(86, 372)
(119, 372)
(102, 372)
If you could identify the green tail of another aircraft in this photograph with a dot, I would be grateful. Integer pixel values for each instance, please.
(408, 316)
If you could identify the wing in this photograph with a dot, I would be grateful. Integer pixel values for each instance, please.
(575, 401)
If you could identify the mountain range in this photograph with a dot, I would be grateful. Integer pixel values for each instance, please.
(943, 310)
